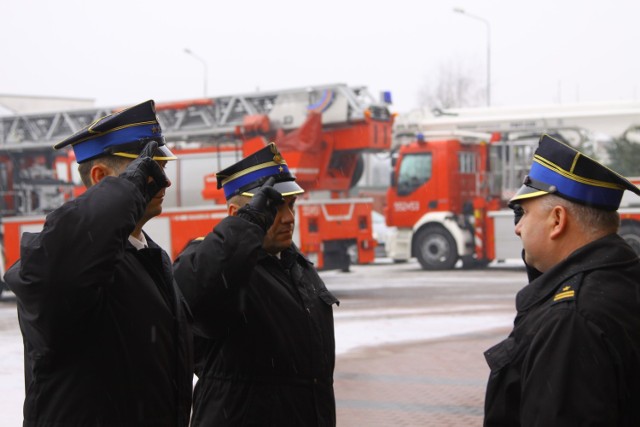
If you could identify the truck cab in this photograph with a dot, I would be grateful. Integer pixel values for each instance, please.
(431, 200)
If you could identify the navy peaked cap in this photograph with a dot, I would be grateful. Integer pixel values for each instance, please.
(560, 169)
(124, 133)
(248, 175)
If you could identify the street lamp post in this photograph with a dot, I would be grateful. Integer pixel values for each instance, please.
(462, 11)
(204, 64)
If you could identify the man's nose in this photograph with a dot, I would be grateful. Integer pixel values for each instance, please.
(288, 215)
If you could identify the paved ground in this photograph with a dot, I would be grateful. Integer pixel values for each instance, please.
(435, 383)
(410, 344)
(433, 379)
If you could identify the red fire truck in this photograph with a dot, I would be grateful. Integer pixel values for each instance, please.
(451, 181)
(322, 131)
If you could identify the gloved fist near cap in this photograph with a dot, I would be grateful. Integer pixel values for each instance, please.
(263, 207)
(143, 167)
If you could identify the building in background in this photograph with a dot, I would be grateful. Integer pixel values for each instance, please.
(25, 104)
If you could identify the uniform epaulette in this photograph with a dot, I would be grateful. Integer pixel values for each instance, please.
(568, 291)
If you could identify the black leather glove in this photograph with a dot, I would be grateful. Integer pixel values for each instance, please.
(143, 167)
(263, 207)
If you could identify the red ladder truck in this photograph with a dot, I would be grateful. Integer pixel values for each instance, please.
(323, 132)
(454, 174)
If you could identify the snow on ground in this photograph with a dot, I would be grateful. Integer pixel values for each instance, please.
(11, 368)
(354, 329)
(352, 335)
(380, 327)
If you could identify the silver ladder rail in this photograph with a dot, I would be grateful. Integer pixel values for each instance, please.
(205, 120)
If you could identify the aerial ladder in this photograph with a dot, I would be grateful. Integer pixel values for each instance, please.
(455, 171)
(322, 131)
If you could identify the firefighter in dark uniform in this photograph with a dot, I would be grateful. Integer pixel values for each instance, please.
(573, 356)
(105, 331)
(265, 348)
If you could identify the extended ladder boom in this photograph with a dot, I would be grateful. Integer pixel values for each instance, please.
(207, 119)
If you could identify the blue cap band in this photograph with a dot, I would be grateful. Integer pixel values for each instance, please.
(97, 146)
(233, 186)
(584, 193)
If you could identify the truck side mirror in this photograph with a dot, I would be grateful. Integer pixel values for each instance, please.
(392, 177)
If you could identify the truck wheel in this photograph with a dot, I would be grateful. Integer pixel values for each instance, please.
(352, 254)
(435, 249)
(470, 263)
(630, 232)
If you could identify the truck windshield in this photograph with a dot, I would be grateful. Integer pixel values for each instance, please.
(510, 162)
(415, 170)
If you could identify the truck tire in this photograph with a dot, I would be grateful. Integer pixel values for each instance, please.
(470, 263)
(630, 231)
(336, 255)
(352, 253)
(435, 249)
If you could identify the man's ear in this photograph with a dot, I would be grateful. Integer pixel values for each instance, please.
(99, 172)
(232, 209)
(558, 216)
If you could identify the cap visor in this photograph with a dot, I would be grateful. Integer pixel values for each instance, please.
(161, 153)
(286, 188)
(526, 192)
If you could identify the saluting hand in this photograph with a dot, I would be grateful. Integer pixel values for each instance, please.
(143, 167)
(263, 207)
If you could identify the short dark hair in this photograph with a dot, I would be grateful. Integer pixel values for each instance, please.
(591, 219)
(239, 200)
(114, 162)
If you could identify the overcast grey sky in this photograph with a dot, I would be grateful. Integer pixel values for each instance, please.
(122, 52)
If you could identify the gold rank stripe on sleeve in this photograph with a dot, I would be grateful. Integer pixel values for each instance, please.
(570, 293)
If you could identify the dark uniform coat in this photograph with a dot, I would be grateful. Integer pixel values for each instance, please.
(265, 348)
(105, 331)
(573, 357)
